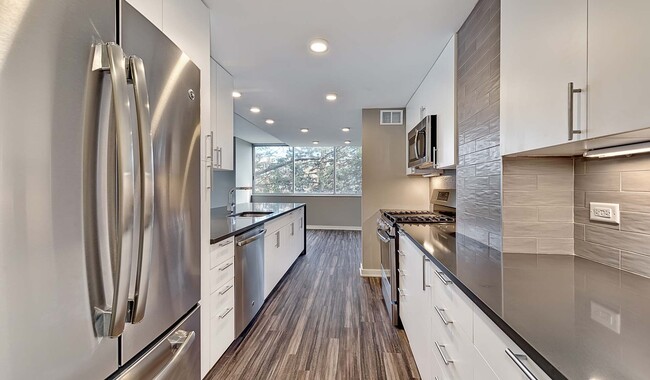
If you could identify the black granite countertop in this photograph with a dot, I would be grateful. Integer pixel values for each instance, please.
(222, 226)
(576, 318)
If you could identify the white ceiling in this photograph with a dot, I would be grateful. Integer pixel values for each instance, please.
(380, 51)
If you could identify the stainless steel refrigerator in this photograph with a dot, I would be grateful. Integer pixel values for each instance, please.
(99, 195)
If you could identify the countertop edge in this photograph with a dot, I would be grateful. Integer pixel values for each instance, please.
(256, 224)
(529, 350)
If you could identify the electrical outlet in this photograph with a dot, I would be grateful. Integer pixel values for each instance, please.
(604, 212)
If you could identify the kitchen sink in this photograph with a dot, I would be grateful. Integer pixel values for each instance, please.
(250, 214)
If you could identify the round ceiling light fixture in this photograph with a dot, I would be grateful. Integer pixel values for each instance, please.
(318, 45)
(346, 129)
(236, 94)
(270, 121)
(304, 130)
(347, 142)
(331, 97)
(315, 142)
(256, 110)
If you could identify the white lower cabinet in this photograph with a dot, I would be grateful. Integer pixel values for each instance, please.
(500, 352)
(283, 243)
(449, 336)
(220, 302)
(414, 303)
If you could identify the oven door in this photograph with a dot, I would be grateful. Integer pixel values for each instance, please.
(388, 273)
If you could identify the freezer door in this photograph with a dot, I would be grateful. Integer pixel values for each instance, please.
(174, 269)
(176, 355)
(51, 283)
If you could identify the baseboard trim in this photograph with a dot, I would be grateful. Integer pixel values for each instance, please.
(369, 272)
(338, 228)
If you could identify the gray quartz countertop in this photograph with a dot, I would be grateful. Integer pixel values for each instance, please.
(586, 320)
(223, 226)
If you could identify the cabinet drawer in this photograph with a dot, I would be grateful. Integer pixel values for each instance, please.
(493, 344)
(222, 332)
(277, 223)
(221, 251)
(453, 303)
(482, 369)
(453, 350)
(221, 274)
(222, 298)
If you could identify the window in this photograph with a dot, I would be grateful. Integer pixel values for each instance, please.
(273, 169)
(348, 170)
(314, 170)
(307, 170)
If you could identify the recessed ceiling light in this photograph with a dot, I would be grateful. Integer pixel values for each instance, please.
(347, 142)
(318, 45)
(330, 97)
(270, 121)
(315, 142)
(304, 130)
(256, 110)
(236, 94)
(346, 129)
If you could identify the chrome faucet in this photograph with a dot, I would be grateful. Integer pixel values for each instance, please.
(231, 198)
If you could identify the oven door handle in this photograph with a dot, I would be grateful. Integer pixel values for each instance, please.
(383, 236)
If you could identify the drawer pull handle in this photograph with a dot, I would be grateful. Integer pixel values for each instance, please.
(226, 243)
(401, 292)
(228, 310)
(444, 320)
(225, 290)
(443, 278)
(517, 359)
(401, 253)
(445, 359)
(401, 272)
(223, 268)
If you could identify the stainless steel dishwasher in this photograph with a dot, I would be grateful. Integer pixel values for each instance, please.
(249, 277)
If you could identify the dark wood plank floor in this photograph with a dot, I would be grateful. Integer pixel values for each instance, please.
(323, 322)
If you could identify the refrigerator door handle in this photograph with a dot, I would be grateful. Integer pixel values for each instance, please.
(110, 57)
(180, 342)
(145, 240)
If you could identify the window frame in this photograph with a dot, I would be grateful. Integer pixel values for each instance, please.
(293, 182)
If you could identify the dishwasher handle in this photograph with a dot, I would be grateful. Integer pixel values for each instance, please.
(251, 239)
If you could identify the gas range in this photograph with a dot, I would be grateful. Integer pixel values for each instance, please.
(443, 215)
(418, 216)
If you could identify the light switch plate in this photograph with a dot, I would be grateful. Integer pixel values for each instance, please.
(604, 212)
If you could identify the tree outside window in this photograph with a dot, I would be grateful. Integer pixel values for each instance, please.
(307, 170)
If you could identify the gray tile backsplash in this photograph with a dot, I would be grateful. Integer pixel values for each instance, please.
(546, 208)
(538, 205)
(478, 174)
(622, 180)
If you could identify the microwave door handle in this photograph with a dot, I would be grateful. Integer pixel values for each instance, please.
(110, 57)
(145, 240)
(416, 145)
(421, 136)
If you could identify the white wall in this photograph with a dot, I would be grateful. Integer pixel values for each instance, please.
(243, 169)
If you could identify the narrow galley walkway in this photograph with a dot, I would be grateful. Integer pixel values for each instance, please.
(323, 322)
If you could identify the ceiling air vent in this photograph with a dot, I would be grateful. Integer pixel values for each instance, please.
(391, 117)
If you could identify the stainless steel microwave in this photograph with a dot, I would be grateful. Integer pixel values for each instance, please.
(422, 144)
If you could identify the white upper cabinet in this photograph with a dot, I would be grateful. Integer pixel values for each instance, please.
(151, 9)
(223, 117)
(543, 49)
(619, 62)
(437, 96)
